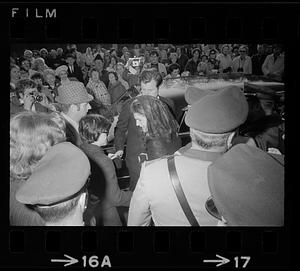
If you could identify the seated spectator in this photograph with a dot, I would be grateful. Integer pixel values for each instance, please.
(73, 69)
(242, 63)
(174, 71)
(235, 51)
(120, 69)
(225, 60)
(89, 57)
(158, 125)
(193, 63)
(31, 136)
(24, 74)
(61, 199)
(112, 64)
(155, 64)
(247, 187)
(51, 82)
(258, 60)
(39, 80)
(212, 58)
(103, 186)
(208, 47)
(182, 58)
(62, 73)
(98, 88)
(52, 61)
(14, 76)
(30, 98)
(38, 65)
(24, 63)
(28, 54)
(115, 88)
(44, 54)
(273, 65)
(130, 74)
(98, 65)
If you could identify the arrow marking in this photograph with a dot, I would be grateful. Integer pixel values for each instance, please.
(68, 261)
(220, 261)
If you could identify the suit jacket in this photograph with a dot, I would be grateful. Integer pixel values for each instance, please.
(104, 182)
(77, 73)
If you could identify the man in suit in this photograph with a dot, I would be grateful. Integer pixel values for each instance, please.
(74, 101)
(150, 81)
(213, 118)
(73, 69)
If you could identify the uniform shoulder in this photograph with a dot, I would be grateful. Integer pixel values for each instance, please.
(157, 160)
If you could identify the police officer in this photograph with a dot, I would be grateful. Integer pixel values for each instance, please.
(212, 117)
(56, 190)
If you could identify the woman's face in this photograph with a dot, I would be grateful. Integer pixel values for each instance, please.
(196, 54)
(225, 50)
(63, 75)
(95, 76)
(141, 121)
(119, 69)
(112, 78)
(113, 61)
(15, 74)
(50, 79)
(26, 64)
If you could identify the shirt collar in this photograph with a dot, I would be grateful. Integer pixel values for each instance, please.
(72, 122)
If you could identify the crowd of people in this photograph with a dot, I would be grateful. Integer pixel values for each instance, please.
(66, 106)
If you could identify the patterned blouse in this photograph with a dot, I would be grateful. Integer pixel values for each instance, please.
(100, 91)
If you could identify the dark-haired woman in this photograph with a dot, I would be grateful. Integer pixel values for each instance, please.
(115, 88)
(158, 126)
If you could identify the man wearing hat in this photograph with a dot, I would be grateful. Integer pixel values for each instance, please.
(57, 187)
(247, 187)
(73, 69)
(213, 118)
(74, 101)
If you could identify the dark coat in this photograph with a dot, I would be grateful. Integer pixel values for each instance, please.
(104, 182)
(72, 135)
(128, 133)
(116, 91)
(77, 73)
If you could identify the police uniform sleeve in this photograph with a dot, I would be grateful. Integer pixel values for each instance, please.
(139, 209)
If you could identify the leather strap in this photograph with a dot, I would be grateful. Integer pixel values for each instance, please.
(179, 192)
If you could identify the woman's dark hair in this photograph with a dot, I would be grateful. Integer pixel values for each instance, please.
(92, 126)
(196, 49)
(160, 120)
(148, 74)
(173, 67)
(154, 53)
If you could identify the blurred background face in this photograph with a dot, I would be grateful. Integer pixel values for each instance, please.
(59, 51)
(26, 64)
(63, 75)
(212, 56)
(243, 52)
(196, 54)
(173, 57)
(50, 79)
(98, 64)
(175, 73)
(95, 76)
(112, 78)
(149, 88)
(24, 74)
(15, 74)
(120, 69)
(38, 81)
(178, 51)
(260, 49)
(225, 50)
(154, 59)
(43, 54)
(70, 61)
(277, 50)
(53, 53)
(28, 54)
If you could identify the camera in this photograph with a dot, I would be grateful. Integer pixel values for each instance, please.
(37, 96)
(135, 62)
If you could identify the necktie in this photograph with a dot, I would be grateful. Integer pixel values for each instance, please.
(71, 69)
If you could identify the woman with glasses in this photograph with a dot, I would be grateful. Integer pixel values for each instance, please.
(105, 193)
(242, 63)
